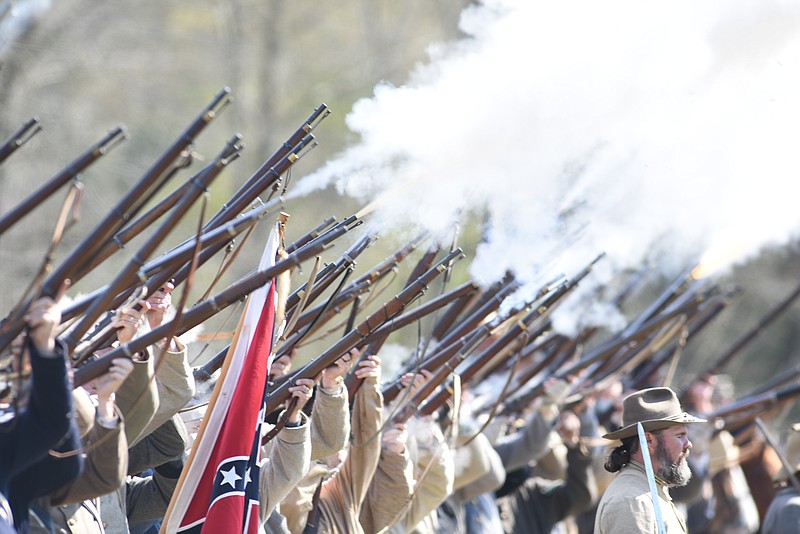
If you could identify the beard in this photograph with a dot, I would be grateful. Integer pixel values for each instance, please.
(674, 472)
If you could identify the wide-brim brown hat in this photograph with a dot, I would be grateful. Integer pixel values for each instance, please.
(655, 408)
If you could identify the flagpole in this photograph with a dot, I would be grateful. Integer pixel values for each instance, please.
(651, 478)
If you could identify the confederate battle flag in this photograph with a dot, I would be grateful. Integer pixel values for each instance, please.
(218, 490)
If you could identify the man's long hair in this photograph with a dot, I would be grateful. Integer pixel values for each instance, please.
(620, 456)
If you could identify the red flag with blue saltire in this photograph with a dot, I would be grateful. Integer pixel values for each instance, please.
(218, 490)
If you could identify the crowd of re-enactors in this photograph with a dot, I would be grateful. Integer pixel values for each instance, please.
(106, 457)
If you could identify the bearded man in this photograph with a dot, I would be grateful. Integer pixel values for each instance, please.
(627, 505)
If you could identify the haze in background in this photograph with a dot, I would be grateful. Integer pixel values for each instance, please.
(657, 133)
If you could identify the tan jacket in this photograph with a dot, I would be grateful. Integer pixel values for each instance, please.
(286, 460)
(343, 490)
(626, 506)
(72, 508)
(390, 491)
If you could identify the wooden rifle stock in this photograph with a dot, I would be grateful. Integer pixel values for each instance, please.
(19, 138)
(351, 339)
(205, 309)
(78, 165)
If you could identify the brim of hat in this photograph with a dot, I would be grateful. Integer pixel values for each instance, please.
(654, 424)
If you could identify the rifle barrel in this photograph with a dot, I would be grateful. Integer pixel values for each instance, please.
(89, 156)
(19, 138)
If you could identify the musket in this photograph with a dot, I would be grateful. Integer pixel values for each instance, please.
(755, 404)
(360, 285)
(779, 380)
(450, 315)
(520, 334)
(127, 274)
(694, 326)
(135, 199)
(753, 333)
(608, 348)
(570, 285)
(311, 234)
(424, 263)
(371, 323)
(668, 295)
(266, 175)
(125, 209)
(19, 138)
(376, 340)
(205, 372)
(632, 355)
(179, 275)
(207, 308)
(328, 275)
(450, 355)
(505, 288)
(78, 165)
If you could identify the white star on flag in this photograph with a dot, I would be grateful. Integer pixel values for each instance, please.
(230, 477)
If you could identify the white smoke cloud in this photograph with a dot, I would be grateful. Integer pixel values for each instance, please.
(652, 131)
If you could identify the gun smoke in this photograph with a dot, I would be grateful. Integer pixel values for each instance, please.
(659, 133)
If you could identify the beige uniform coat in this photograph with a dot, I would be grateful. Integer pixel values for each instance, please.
(627, 506)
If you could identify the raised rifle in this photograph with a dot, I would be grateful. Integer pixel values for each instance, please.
(376, 340)
(126, 208)
(78, 165)
(131, 230)
(370, 324)
(268, 175)
(127, 274)
(753, 333)
(178, 275)
(607, 349)
(533, 325)
(311, 234)
(207, 308)
(324, 312)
